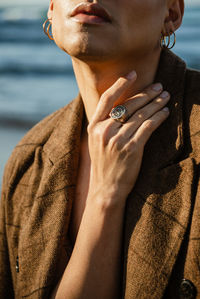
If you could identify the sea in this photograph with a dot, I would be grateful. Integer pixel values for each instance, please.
(36, 78)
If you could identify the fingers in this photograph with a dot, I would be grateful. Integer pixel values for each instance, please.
(111, 95)
(146, 110)
(143, 114)
(149, 126)
(143, 98)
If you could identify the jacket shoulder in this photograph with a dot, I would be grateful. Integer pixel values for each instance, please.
(192, 96)
(193, 83)
(191, 111)
(23, 153)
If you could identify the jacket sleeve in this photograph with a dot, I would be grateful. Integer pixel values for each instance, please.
(6, 285)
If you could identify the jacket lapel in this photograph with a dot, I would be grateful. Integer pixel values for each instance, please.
(158, 208)
(43, 238)
(156, 220)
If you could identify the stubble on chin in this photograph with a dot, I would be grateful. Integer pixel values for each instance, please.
(88, 50)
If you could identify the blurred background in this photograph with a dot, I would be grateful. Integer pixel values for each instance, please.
(36, 78)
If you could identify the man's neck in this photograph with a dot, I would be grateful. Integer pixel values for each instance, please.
(94, 79)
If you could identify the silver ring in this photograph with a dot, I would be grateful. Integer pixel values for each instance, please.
(119, 113)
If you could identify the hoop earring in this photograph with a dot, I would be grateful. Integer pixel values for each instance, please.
(165, 41)
(46, 28)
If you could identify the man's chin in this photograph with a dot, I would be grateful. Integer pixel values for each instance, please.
(89, 54)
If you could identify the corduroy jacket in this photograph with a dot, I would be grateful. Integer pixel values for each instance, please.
(161, 240)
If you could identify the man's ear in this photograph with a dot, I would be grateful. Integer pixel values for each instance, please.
(50, 10)
(174, 16)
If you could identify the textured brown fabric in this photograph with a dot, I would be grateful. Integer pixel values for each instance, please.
(161, 244)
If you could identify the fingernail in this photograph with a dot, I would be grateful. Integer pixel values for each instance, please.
(166, 109)
(131, 75)
(157, 87)
(164, 94)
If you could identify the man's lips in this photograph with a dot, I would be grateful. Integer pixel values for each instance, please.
(91, 9)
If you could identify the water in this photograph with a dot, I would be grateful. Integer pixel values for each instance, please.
(36, 78)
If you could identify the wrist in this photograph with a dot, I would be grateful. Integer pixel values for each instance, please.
(107, 198)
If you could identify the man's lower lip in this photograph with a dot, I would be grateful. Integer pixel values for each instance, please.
(89, 19)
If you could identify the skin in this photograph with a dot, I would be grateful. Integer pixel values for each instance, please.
(102, 58)
(101, 54)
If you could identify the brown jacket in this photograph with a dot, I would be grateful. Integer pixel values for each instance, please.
(161, 245)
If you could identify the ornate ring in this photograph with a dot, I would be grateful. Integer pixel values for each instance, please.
(119, 113)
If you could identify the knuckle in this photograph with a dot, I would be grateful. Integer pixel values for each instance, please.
(105, 97)
(133, 147)
(146, 97)
(96, 132)
(141, 114)
(90, 128)
(100, 132)
(158, 102)
(117, 142)
(149, 125)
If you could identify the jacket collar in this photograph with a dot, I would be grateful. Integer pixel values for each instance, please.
(166, 143)
(65, 138)
(167, 140)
